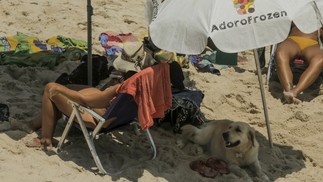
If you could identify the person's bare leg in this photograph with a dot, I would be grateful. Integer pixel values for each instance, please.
(49, 117)
(27, 126)
(51, 112)
(52, 109)
(314, 57)
(285, 53)
(36, 123)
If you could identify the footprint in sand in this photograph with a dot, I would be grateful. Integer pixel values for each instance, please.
(301, 116)
(24, 13)
(126, 20)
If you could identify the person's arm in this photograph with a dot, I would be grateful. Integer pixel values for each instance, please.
(100, 99)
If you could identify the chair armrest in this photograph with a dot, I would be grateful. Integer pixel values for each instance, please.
(85, 109)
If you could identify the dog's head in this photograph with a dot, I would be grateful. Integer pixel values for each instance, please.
(239, 136)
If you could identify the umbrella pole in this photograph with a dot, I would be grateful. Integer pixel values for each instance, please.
(89, 42)
(255, 53)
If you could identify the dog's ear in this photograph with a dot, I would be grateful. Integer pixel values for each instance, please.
(252, 136)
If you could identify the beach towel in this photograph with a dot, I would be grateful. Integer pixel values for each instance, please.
(202, 64)
(26, 50)
(21, 43)
(113, 42)
(151, 90)
(59, 42)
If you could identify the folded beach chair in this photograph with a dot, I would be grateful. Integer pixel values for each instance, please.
(122, 111)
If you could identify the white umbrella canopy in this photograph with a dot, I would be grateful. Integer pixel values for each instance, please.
(184, 26)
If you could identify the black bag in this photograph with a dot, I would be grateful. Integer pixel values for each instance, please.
(4, 112)
(176, 77)
(79, 74)
(185, 110)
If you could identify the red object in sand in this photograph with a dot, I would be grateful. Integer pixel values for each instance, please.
(210, 167)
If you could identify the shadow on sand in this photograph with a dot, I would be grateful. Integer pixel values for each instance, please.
(122, 148)
(307, 95)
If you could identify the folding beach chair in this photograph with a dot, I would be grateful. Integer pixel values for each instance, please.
(122, 111)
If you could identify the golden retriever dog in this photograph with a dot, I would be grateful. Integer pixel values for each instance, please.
(233, 142)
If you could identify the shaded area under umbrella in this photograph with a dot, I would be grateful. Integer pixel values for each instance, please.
(233, 26)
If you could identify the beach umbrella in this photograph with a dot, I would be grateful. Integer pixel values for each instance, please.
(184, 26)
(89, 41)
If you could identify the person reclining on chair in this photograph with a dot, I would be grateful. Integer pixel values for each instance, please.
(54, 104)
(303, 46)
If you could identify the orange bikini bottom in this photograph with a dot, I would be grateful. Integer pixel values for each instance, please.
(303, 42)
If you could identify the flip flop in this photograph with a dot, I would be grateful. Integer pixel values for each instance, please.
(201, 167)
(218, 165)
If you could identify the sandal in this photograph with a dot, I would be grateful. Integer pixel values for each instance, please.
(201, 167)
(218, 165)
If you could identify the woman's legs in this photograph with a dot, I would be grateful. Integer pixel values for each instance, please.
(287, 51)
(36, 123)
(52, 110)
(54, 107)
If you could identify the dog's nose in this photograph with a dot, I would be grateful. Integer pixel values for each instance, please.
(225, 135)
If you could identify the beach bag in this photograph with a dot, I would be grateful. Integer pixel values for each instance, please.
(185, 110)
(176, 77)
(79, 74)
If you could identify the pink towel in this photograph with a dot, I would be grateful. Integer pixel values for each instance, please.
(151, 89)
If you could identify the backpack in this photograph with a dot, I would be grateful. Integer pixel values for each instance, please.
(79, 74)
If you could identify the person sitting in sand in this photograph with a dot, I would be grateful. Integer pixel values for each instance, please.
(54, 104)
(298, 45)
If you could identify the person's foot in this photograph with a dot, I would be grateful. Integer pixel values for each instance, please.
(291, 98)
(39, 143)
(18, 125)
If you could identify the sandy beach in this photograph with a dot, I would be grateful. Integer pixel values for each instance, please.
(235, 95)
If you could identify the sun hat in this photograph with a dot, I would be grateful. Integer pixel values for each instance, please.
(131, 58)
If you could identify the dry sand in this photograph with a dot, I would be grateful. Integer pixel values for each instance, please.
(235, 95)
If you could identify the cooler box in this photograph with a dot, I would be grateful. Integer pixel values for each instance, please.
(224, 58)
